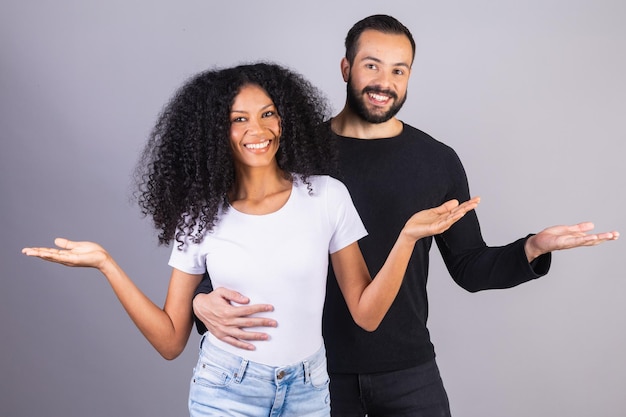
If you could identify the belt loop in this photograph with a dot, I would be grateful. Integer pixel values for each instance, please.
(307, 371)
(242, 370)
(202, 340)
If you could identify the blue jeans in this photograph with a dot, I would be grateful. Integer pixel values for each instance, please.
(414, 392)
(224, 384)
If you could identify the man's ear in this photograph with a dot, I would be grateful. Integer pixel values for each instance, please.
(345, 69)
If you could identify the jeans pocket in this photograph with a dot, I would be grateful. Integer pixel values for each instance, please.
(210, 374)
(319, 376)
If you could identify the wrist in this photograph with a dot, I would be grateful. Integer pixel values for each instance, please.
(407, 239)
(107, 264)
(532, 252)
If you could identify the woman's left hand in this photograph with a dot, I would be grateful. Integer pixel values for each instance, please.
(437, 220)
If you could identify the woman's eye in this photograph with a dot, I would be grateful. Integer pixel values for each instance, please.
(238, 119)
(269, 113)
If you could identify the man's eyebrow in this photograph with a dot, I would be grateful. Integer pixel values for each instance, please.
(377, 60)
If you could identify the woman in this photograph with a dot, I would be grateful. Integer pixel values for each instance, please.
(234, 173)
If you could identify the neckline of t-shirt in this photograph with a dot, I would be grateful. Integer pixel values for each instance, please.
(280, 209)
(375, 140)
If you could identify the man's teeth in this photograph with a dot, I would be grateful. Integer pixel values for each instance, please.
(260, 145)
(378, 97)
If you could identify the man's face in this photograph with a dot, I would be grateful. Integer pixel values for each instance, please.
(378, 79)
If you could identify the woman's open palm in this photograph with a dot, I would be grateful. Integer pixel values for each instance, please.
(437, 220)
(70, 253)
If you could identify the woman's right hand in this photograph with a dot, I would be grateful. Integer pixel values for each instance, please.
(70, 253)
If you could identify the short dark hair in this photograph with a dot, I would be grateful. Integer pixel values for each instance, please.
(380, 22)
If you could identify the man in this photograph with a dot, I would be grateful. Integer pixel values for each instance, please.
(392, 170)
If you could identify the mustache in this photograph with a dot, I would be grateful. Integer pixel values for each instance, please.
(379, 90)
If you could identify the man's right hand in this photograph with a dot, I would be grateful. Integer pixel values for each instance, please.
(227, 322)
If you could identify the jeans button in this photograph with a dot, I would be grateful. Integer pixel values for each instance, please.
(280, 375)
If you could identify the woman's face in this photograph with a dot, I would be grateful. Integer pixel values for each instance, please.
(254, 128)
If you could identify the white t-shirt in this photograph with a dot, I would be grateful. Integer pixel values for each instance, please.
(281, 259)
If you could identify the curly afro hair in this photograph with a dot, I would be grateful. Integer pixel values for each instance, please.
(187, 169)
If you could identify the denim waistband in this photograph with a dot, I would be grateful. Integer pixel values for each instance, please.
(277, 374)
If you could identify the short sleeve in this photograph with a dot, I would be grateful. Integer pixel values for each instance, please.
(188, 259)
(345, 220)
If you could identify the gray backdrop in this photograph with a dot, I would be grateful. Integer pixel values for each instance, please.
(530, 94)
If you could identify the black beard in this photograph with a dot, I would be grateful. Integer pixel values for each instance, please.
(357, 103)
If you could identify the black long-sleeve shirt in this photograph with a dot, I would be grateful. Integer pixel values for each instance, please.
(390, 179)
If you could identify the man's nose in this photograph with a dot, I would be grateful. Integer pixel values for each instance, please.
(383, 79)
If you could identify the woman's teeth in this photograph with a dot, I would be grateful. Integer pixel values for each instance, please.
(260, 145)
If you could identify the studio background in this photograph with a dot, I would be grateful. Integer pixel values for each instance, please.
(530, 94)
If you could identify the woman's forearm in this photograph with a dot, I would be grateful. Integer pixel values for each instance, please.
(167, 329)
